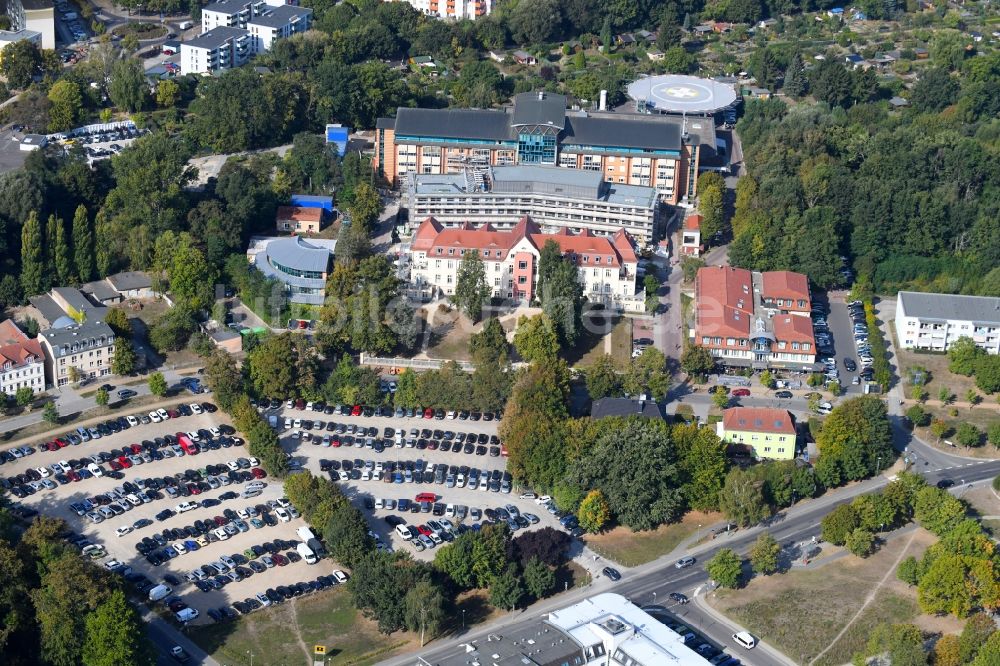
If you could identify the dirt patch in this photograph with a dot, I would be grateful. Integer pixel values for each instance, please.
(633, 548)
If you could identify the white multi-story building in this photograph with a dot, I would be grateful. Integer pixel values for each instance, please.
(22, 361)
(607, 266)
(8, 37)
(277, 23)
(230, 13)
(34, 15)
(554, 198)
(452, 9)
(218, 49)
(89, 347)
(935, 321)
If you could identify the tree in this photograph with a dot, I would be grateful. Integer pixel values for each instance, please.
(902, 644)
(106, 625)
(534, 22)
(795, 83)
(742, 498)
(725, 568)
(62, 260)
(704, 463)
(720, 399)
(20, 62)
(101, 397)
(536, 340)
(909, 571)
(934, 90)
(976, 632)
(547, 545)
(990, 652)
(167, 93)
(539, 579)
(993, 434)
(647, 374)
(119, 322)
(455, 560)
(855, 442)
(594, 512)
(124, 359)
(83, 244)
(962, 356)
(937, 510)
(365, 208)
(860, 542)
(917, 416)
(506, 590)
(968, 435)
(24, 396)
(988, 373)
(424, 606)
(602, 378)
(471, 290)
(838, 525)
(67, 103)
(710, 191)
(697, 361)
(128, 85)
(764, 555)
(939, 428)
(157, 384)
(946, 651)
(33, 279)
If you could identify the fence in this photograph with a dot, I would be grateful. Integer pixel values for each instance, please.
(415, 363)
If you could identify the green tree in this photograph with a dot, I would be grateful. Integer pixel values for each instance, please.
(489, 554)
(471, 289)
(795, 83)
(704, 463)
(909, 571)
(539, 579)
(976, 632)
(594, 512)
(710, 191)
(742, 498)
(860, 542)
(424, 606)
(720, 399)
(101, 397)
(839, 524)
(725, 568)
(406, 390)
(20, 62)
(33, 279)
(106, 625)
(602, 378)
(988, 373)
(968, 435)
(83, 244)
(506, 590)
(128, 85)
(123, 362)
(119, 322)
(917, 416)
(990, 652)
(167, 93)
(946, 651)
(962, 356)
(855, 441)
(647, 374)
(764, 555)
(903, 644)
(63, 260)
(767, 380)
(366, 207)
(67, 103)
(50, 414)
(24, 396)
(157, 384)
(993, 434)
(536, 340)
(455, 560)
(697, 360)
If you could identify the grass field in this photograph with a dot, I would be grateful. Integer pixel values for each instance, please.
(592, 345)
(633, 548)
(801, 612)
(286, 634)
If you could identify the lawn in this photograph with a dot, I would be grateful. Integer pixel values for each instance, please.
(802, 611)
(592, 345)
(286, 634)
(634, 548)
(937, 367)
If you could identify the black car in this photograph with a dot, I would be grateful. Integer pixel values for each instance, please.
(850, 364)
(945, 483)
(611, 573)
(783, 394)
(678, 597)
(394, 520)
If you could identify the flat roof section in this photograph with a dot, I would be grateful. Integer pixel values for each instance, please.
(675, 93)
(980, 309)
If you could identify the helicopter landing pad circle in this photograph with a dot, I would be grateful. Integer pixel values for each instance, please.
(682, 94)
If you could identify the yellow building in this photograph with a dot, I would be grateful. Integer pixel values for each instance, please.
(770, 433)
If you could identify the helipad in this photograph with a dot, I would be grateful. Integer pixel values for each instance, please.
(675, 93)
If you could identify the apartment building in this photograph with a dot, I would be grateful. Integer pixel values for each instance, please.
(34, 16)
(277, 23)
(453, 9)
(8, 37)
(755, 320)
(89, 347)
(607, 266)
(935, 321)
(218, 49)
(646, 150)
(22, 361)
(230, 13)
(768, 434)
(553, 198)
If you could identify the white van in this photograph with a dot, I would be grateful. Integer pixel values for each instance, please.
(185, 25)
(404, 532)
(306, 552)
(745, 639)
(186, 615)
(159, 592)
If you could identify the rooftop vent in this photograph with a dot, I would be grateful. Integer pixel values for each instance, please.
(614, 626)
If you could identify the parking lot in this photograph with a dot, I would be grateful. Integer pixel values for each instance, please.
(419, 451)
(842, 346)
(57, 502)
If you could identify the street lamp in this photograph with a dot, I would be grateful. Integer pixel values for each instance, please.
(250, 652)
(654, 598)
(463, 618)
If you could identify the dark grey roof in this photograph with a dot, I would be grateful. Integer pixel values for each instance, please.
(385, 123)
(540, 108)
(48, 308)
(227, 6)
(300, 254)
(129, 280)
(622, 131)
(216, 37)
(91, 334)
(979, 309)
(606, 407)
(280, 16)
(454, 123)
(101, 291)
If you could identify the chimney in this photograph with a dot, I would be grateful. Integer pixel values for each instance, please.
(603, 105)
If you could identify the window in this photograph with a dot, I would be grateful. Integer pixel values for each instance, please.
(522, 265)
(486, 253)
(521, 279)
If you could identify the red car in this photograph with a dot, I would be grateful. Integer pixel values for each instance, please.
(300, 404)
(741, 392)
(124, 462)
(258, 473)
(423, 529)
(428, 413)
(61, 443)
(356, 410)
(73, 476)
(50, 446)
(335, 442)
(220, 521)
(115, 465)
(280, 560)
(136, 449)
(194, 489)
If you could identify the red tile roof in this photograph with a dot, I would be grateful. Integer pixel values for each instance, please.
(785, 284)
(300, 214)
(758, 419)
(724, 297)
(16, 347)
(693, 223)
(793, 328)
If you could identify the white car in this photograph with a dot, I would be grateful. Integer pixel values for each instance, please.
(254, 462)
(179, 547)
(544, 499)
(132, 421)
(340, 576)
(195, 408)
(123, 530)
(43, 472)
(184, 507)
(216, 433)
(283, 502)
(193, 436)
(65, 466)
(222, 534)
(282, 514)
(531, 496)
(163, 414)
(233, 465)
(154, 417)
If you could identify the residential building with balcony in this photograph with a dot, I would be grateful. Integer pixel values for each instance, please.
(230, 13)
(936, 321)
(89, 347)
(34, 16)
(453, 9)
(755, 320)
(553, 198)
(218, 49)
(277, 23)
(22, 361)
(657, 151)
(607, 265)
(768, 434)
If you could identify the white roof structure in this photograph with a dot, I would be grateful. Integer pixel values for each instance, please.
(676, 93)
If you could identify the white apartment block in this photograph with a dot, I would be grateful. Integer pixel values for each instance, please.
(452, 9)
(36, 16)
(218, 49)
(89, 347)
(230, 13)
(277, 23)
(553, 198)
(935, 321)
(607, 266)
(22, 361)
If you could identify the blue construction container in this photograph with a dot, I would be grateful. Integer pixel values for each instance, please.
(313, 201)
